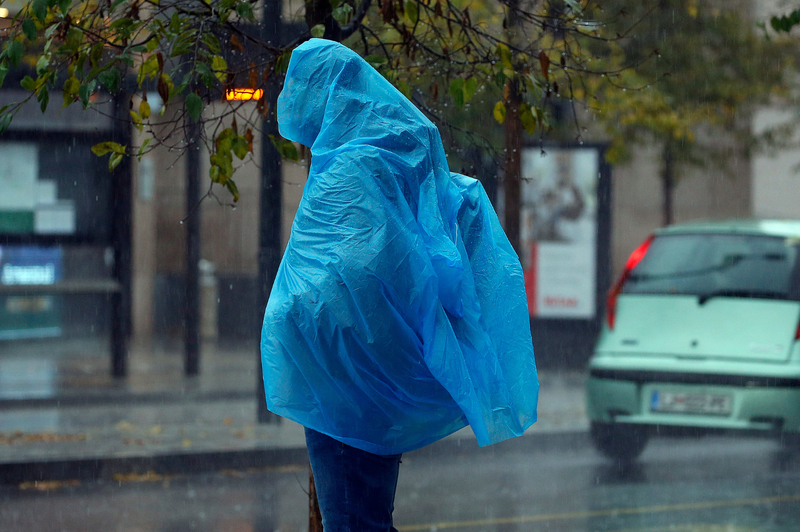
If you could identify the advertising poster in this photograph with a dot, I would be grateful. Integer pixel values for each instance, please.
(559, 231)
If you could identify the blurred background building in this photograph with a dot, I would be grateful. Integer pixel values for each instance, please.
(118, 239)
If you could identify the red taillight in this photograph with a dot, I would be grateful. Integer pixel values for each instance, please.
(797, 332)
(636, 257)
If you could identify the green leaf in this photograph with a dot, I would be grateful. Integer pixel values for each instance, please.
(206, 76)
(70, 90)
(149, 69)
(245, 10)
(107, 147)
(220, 68)
(29, 29)
(575, 6)
(64, 5)
(505, 55)
(73, 41)
(343, 14)
(5, 121)
(28, 83)
(318, 31)
(85, 92)
(282, 62)
(457, 91)
(39, 8)
(233, 189)
(334, 3)
(500, 112)
(14, 50)
(223, 160)
(212, 43)
(224, 141)
(240, 147)
(144, 109)
(3, 71)
(194, 105)
(110, 79)
(143, 147)
(213, 173)
(114, 161)
(470, 86)
(43, 64)
(286, 148)
(96, 53)
(43, 97)
(412, 13)
(136, 119)
(527, 116)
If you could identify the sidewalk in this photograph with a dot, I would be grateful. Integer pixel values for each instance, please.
(63, 417)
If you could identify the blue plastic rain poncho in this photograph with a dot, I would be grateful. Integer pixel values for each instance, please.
(398, 314)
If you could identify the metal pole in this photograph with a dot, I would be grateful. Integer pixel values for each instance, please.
(192, 303)
(269, 235)
(121, 242)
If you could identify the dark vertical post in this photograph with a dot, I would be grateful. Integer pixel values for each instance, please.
(269, 234)
(122, 212)
(668, 182)
(192, 308)
(513, 167)
(604, 213)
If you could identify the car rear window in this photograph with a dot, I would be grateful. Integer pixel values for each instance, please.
(710, 265)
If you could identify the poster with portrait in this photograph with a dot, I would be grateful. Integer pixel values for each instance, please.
(558, 231)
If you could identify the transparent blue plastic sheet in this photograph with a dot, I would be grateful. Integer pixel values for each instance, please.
(398, 314)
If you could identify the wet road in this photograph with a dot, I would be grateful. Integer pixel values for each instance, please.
(679, 485)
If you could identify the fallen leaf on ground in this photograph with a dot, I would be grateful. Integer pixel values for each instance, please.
(47, 485)
(23, 437)
(124, 425)
(150, 476)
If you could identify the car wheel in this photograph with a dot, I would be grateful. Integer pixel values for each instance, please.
(619, 442)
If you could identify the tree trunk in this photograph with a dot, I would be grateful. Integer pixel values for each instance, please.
(513, 141)
(314, 515)
(668, 185)
(513, 167)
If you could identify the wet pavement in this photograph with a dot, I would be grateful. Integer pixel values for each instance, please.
(684, 485)
(63, 417)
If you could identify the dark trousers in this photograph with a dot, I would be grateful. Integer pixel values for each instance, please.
(355, 489)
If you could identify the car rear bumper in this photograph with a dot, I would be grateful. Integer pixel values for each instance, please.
(756, 403)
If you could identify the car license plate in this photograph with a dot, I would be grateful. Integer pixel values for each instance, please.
(716, 404)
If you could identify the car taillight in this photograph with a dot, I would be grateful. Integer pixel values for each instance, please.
(636, 257)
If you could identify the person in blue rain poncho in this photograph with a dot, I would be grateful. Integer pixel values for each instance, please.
(398, 315)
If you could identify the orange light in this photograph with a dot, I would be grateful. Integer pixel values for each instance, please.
(244, 94)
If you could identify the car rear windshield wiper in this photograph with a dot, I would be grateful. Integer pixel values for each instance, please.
(731, 292)
(728, 262)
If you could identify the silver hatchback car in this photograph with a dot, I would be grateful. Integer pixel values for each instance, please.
(702, 332)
